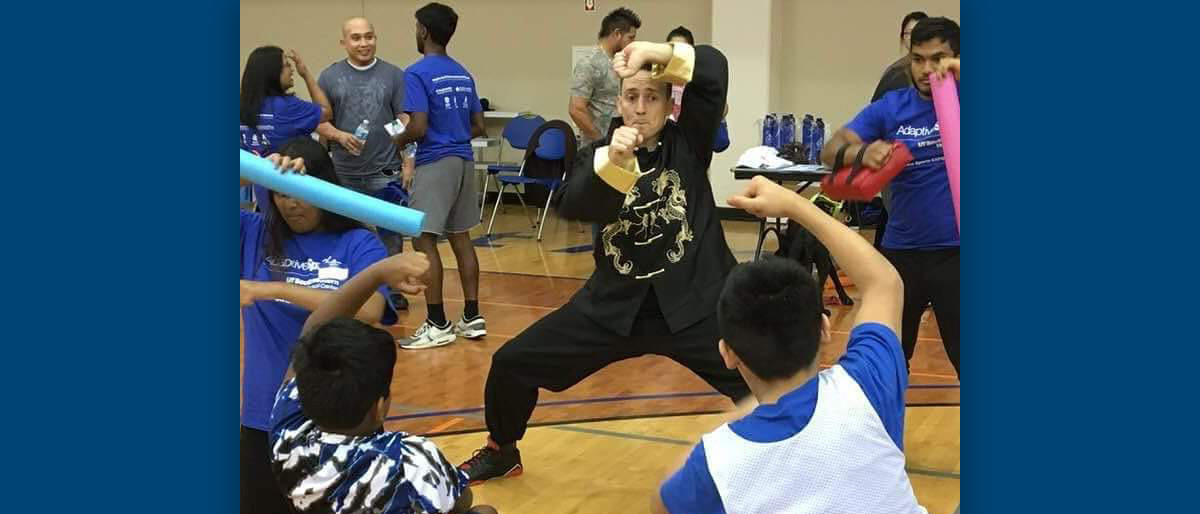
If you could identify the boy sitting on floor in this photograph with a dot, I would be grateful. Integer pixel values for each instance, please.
(329, 450)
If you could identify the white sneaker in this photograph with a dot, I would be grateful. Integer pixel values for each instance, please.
(428, 336)
(474, 329)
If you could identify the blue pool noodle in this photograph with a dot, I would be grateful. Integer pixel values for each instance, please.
(348, 203)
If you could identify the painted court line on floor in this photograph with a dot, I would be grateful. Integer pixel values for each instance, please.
(413, 412)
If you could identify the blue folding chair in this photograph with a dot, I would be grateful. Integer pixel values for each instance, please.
(517, 132)
(551, 146)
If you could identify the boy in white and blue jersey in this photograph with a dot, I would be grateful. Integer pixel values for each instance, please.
(329, 450)
(819, 441)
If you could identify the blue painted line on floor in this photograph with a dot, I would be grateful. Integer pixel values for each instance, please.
(575, 249)
(623, 435)
(459, 412)
(500, 235)
(417, 413)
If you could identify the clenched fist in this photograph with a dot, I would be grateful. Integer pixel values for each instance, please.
(625, 141)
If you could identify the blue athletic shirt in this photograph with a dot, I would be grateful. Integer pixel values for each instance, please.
(442, 88)
(874, 359)
(282, 118)
(921, 214)
(320, 260)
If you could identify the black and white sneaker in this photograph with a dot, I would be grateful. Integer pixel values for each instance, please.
(474, 329)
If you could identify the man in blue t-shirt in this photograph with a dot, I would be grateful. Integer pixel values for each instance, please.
(819, 441)
(921, 237)
(444, 110)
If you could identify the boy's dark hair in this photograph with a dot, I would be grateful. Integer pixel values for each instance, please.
(621, 19)
(682, 32)
(440, 20)
(342, 368)
(929, 29)
(912, 16)
(770, 316)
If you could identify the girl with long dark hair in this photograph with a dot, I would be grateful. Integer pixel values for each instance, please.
(294, 255)
(271, 116)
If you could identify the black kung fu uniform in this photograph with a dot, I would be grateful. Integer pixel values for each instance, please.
(661, 261)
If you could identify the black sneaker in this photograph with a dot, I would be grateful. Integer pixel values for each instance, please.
(399, 302)
(492, 462)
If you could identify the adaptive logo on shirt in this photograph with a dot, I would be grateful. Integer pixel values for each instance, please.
(329, 272)
(295, 264)
(909, 130)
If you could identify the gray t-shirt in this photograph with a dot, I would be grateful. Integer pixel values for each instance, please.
(375, 94)
(593, 78)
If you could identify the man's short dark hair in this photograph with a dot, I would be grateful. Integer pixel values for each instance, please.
(910, 17)
(342, 369)
(666, 86)
(770, 316)
(440, 20)
(683, 32)
(929, 29)
(621, 19)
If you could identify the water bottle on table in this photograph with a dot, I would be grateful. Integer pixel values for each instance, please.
(787, 130)
(818, 140)
(770, 135)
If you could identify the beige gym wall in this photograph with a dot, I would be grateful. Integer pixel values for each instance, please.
(519, 51)
(826, 55)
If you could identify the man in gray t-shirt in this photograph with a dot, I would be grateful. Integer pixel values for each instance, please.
(594, 84)
(364, 87)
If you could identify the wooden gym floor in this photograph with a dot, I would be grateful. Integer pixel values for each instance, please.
(604, 445)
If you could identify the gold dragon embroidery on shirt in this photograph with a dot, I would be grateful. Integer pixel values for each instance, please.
(642, 224)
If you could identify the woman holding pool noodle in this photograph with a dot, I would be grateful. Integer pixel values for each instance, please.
(293, 255)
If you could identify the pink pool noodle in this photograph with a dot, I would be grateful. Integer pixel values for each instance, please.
(945, 103)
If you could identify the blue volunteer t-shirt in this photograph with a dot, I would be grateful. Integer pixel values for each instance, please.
(442, 88)
(873, 358)
(921, 214)
(318, 260)
(282, 118)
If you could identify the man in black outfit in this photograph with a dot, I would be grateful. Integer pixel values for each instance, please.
(660, 251)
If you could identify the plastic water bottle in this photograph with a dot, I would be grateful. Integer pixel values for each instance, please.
(787, 130)
(819, 140)
(770, 131)
(362, 131)
(807, 128)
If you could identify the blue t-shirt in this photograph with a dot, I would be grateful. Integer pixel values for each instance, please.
(282, 118)
(874, 359)
(921, 214)
(722, 141)
(320, 260)
(442, 88)
(384, 473)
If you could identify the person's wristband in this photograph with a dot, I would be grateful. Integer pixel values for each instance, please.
(841, 157)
